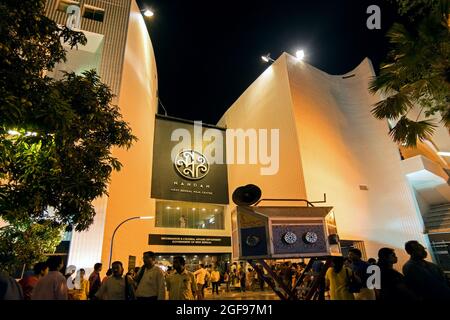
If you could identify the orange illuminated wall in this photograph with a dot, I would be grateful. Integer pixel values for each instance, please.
(129, 190)
(330, 143)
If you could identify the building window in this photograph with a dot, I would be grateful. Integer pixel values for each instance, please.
(189, 215)
(63, 4)
(94, 13)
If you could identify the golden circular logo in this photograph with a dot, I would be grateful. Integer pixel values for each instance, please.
(191, 164)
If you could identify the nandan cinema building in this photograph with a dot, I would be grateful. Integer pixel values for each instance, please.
(383, 194)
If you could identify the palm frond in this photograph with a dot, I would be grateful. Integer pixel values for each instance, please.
(400, 36)
(385, 83)
(407, 132)
(445, 118)
(392, 107)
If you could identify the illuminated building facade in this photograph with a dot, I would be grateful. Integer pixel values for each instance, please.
(117, 39)
(331, 143)
(120, 49)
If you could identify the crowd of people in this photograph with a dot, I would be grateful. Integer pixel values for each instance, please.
(421, 280)
(345, 279)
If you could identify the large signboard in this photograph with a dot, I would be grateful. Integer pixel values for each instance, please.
(182, 240)
(188, 162)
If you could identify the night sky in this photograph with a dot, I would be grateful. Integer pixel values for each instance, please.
(208, 52)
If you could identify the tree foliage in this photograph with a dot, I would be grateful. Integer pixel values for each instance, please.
(414, 9)
(56, 136)
(26, 243)
(416, 72)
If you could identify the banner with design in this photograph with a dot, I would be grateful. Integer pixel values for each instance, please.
(189, 162)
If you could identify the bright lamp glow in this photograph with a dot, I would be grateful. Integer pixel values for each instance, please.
(146, 218)
(13, 132)
(444, 153)
(300, 54)
(148, 13)
(267, 58)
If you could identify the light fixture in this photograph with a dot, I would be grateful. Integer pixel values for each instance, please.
(117, 228)
(444, 153)
(215, 210)
(300, 54)
(203, 209)
(193, 209)
(148, 13)
(168, 207)
(178, 208)
(267, 58)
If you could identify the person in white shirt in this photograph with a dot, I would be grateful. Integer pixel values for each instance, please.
(183, 222)
(117, 286)
(53, 286)
(150, 280)
(200, 278)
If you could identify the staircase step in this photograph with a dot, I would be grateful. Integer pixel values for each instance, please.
(437, 230)
(439, 211)
(437, 222)
(434, 218)
(440, 206)
(437, 218)
(434, 225)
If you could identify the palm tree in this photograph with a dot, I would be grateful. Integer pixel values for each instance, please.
(416, 75)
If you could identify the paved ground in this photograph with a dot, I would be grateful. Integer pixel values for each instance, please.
(236, 295)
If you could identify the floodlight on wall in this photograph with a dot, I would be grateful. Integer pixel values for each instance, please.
(148, 13)
(267, 58)
(300, 54)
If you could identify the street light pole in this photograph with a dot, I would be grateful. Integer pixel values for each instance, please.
(114, 233)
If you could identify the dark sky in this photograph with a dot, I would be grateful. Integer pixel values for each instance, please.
(208, 52)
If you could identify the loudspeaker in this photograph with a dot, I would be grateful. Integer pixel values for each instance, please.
(282, 232)
(246, 195)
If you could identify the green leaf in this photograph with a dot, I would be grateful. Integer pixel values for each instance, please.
(407, 132)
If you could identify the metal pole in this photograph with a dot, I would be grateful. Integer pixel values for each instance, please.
(112, 239)
(23, 271)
